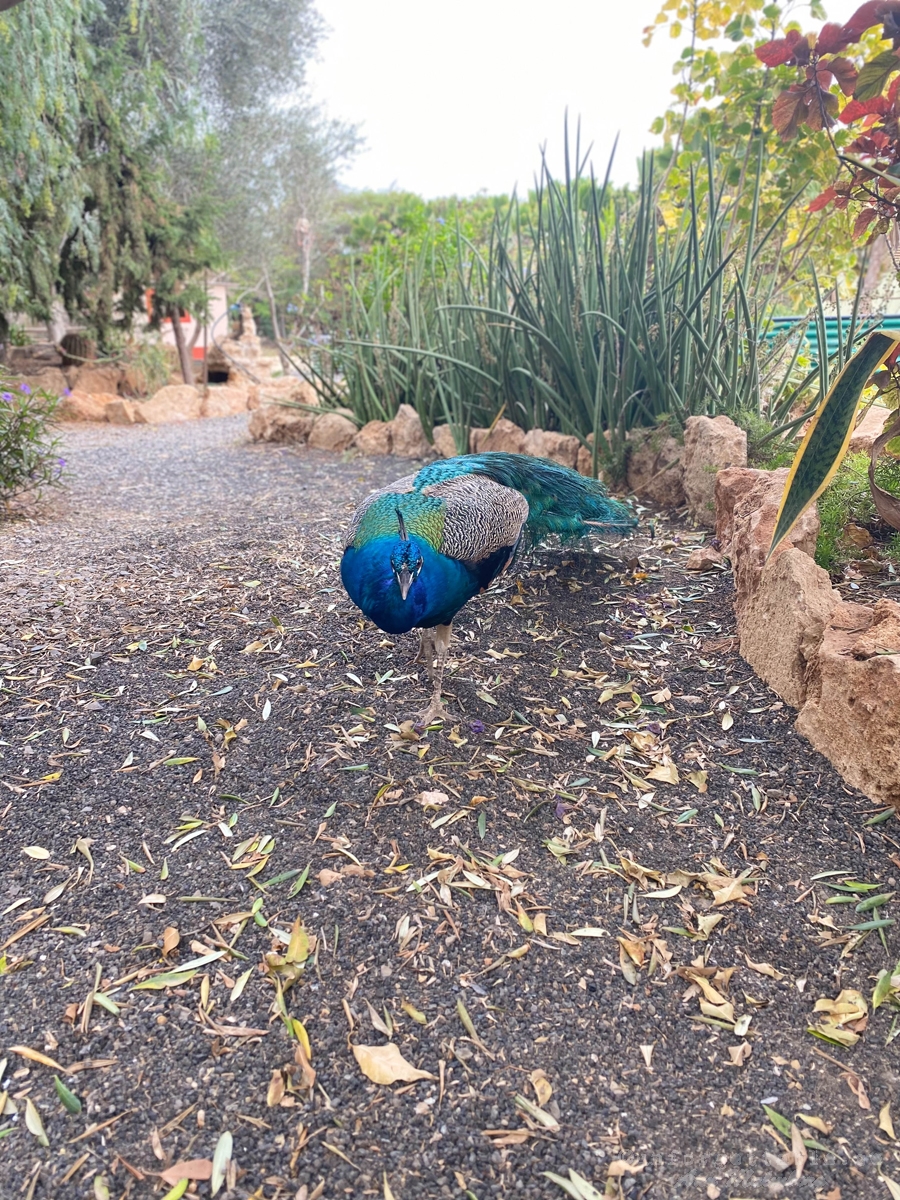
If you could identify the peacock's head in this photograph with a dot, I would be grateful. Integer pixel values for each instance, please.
(406, 559)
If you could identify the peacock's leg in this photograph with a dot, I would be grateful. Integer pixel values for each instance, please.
(425, 653)
(441, 636)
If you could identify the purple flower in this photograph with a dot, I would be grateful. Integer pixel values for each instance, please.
(6, 397)
(25, 389)
(67, 391)
(477, 726)
(62, 463)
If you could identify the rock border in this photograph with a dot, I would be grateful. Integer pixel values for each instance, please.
(836, 662)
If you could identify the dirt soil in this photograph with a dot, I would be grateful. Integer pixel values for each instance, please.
(594, 911)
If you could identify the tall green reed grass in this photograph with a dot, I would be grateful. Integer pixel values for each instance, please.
(591, 312)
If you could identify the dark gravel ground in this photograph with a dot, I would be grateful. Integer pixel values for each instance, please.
(191, 709)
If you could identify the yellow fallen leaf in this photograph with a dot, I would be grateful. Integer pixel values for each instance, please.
(815, 1123)
(885, 1124)
(36, 852)
(36, 1056)
(543, 1088)
(385, 1064)
(621, 1166)
(33, 1122)
(739, 1054)
(664, 774)
(764, 969)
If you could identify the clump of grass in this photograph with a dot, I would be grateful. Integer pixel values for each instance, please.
(848, 501)
(764, 450)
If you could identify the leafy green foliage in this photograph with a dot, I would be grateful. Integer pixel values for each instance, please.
(725, 94)
(847, 76)
(847, 501)
(582, 313)
(29, 460)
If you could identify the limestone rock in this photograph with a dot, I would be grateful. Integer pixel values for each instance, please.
(746, 507)
(868, 430)
(558, 447)
(95, 379)
(443, 441)
(82, 406)
(51, 380)
(883, 635)
(330, 431)
(852, 709)
(124, 412)
(173, 403)
(287, 387)
(223, 400)
(704, 558)
(783, 621)
(276, 423)
(505, 436)
(711, 444)
(407, 435)
(374, 438)
(656, 467)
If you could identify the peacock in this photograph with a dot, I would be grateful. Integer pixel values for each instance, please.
(418, 550)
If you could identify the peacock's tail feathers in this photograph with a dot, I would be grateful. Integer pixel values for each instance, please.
(560, 501)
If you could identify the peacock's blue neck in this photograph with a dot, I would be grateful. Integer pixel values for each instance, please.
(440, 590)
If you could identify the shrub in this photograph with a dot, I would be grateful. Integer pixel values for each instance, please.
(29, 458)
(847, 501)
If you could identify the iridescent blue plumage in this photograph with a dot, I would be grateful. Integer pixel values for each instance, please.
(417, 551)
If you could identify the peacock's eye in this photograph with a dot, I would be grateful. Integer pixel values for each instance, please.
(420, 563)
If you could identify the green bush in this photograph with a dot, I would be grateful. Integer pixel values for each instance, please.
(589, 311)
(29, 457)
(848, 501)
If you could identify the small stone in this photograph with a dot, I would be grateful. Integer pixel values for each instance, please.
(852, 708)
(704, 558)
(558, 447)
(711, 444)
(181, 402)
(870, 427)
(224, 400)
(374, 438)
(83, 406)
(655, 467)
(747, 503)
(124, 412)
(408, 438)
(331, 431)
(782, 621)
(443, 441)
(277, 423)
(505, 436)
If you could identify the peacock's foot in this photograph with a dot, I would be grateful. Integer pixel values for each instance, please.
(434, 712)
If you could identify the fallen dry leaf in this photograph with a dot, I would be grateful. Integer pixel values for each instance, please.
(885, 1124)
(739, 1054)
(763, 969)
(621, 1166)
(815, 1123)
(385, 1064)
(798, 1150)
(194, 1168)
(543, 1088)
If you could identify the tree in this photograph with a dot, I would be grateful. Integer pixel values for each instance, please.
(44, 53)
(725, 94)
(832, 90)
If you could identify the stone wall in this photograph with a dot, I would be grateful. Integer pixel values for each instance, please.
(837, 663)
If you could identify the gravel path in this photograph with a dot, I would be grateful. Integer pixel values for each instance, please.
(592, 910)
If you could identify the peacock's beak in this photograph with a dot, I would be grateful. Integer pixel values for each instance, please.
(404, 579)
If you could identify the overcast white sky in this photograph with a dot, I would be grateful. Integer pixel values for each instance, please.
(457, 97)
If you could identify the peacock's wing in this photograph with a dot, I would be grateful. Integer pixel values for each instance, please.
(378, 502)
(482, 522)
